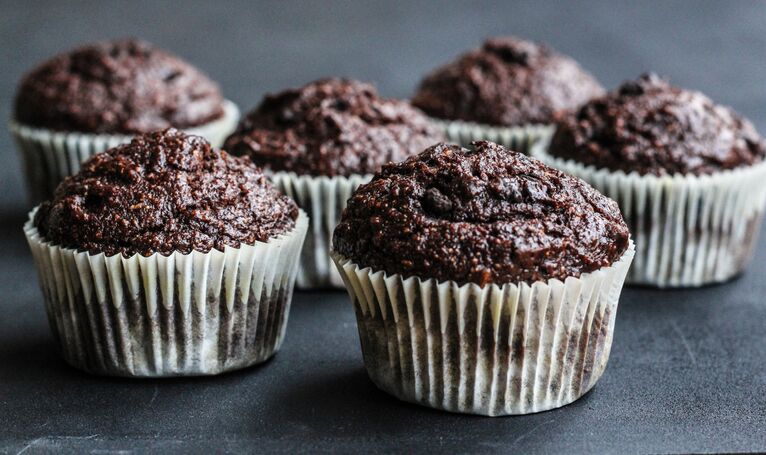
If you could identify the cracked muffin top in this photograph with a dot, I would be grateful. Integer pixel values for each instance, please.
(652, 127)
(484, 215)
(507, 81)
(117, 87)
(161, 193)
(331, 127)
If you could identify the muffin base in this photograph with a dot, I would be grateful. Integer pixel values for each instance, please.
(324, 199)
(175, 315)
(492, 350)
(518, 138)
(689, 230)
(48, 156)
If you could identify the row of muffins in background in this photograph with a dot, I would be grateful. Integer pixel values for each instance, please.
(318, 142)
(684, 170)
(455, 259)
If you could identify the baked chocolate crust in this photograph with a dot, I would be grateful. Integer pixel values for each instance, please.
(161, 193)
(486, 215)
(117, 87)
(507, 81)
(652, 127)
(331, 127)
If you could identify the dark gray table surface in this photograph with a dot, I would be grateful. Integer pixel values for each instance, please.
(688, 367)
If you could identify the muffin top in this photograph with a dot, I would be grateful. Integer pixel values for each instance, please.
(164, 192)
(331, 127)
(652, 127)
(507, 81)
(486, 215)
(117, 87)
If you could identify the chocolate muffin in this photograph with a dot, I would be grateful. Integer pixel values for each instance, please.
(98, 96)
(508, 81)
(688, 175)
(463, 265)
(321, 141)
(166, 257)
(117, 87)
(487, 215)
(331, 127)
(651, 127)
(164, 192)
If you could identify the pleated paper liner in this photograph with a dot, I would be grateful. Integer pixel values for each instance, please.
(517, 138)
(324, 199)
(689, 230)
(492, 350)
(49, 156)
(182, 314)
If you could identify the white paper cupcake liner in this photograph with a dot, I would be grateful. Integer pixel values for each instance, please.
(689, 230)
(492, 350)
(49, 156)
(518, 138)
(182, 314)
(324, 199)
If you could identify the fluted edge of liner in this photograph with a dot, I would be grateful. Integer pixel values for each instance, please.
(324, 199)
(493, 350)
(181, 314)
(48, 156)
(518, 138)
(689, 230)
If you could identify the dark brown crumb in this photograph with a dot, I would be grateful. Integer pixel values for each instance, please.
(508, 81)
(486, 215)
(117, 87)
(331, 127)
(164, 192)
(652, 127)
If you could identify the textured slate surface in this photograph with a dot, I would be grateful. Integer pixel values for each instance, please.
(687, 371)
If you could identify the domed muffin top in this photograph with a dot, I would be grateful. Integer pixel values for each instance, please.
(117, 87)
(486, 215)
(507, 81)
(164, 192)
(652, 127)
(331, 127)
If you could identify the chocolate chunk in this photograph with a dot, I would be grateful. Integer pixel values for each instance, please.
(331, 127)
(507, 81)
(117, 87)
(164, 192)
(486, 215)
(652, 127)
(435, 201)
